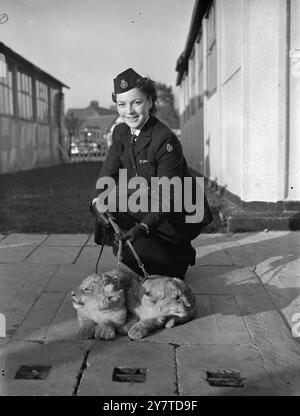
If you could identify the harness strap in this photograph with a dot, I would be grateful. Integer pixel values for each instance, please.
(119, 254)
(140, 264)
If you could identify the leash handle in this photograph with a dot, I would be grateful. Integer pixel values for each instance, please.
(119, 254)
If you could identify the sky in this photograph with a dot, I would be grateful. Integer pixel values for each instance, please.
(87, 43)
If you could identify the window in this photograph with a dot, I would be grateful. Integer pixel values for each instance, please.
(6, 93)
(24, 95)
(200, 73)
(55, 108)
(192, 77)
(211, 51)
(186, 97)
(42, 101)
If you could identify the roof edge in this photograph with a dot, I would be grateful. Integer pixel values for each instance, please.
(200, 8)
(4, 48)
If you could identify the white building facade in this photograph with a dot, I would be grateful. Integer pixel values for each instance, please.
(239, 80)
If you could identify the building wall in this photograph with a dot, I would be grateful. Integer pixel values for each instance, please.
(229, 28)
(264, 53)
(251, 122)
(26, 140)
(293, 179)
(26, 145)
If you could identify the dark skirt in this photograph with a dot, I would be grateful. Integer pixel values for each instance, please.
(158, 254)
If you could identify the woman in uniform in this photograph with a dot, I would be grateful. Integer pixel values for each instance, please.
(147, 148)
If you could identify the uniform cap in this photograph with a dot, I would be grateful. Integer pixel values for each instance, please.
(126, 81)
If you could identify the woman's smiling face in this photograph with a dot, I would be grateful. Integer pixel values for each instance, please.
(133, 107)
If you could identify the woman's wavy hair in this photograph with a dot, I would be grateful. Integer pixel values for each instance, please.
(147, 87)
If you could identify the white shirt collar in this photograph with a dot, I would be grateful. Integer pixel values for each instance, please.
(136, 132)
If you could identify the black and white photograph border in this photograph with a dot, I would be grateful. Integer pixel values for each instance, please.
(134, 303)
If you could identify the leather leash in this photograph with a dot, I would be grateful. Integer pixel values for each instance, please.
(119, 253)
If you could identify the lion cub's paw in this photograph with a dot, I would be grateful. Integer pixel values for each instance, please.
(137, 331)
(105, 332)
(171, 322)
(123, 329)
(87, 332)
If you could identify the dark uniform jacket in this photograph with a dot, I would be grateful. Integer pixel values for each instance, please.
(156, 153)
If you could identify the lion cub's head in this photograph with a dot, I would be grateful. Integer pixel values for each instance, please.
(163, 296)
(98, 292)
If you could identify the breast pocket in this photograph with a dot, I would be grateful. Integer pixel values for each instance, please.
(146, 168)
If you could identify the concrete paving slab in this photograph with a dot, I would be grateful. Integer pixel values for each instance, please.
(16, 254)
(268, 328)
(218, 320)
(256, 237)
(70, 240)
(91, 242)
(240, 305)
(5, 301)
(286, 268)
(69, 276)
(274, 341)
(65, 325)
(212, 255)
(207, 279)
(38, 319)
(252, 297)
(281, 278)
(158, 359)
(13, 277)
(216, 279)
(32, 279)
(290, 241)
(64, 358)
(20, 238)
(201, 330)
(194, 361)
(279, 247)
(205, 240)
(230, 323)
(237, 255)
(54, 255)
(89, 256)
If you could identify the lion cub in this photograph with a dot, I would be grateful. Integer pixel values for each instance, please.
(100, 305)
(156, 303)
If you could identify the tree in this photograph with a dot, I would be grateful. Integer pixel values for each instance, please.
(166, 111)
(72, 124)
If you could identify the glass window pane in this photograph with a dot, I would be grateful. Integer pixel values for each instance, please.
(1, 99)
(30, 86)
(11, 104)
(10, 79)
(6, 103)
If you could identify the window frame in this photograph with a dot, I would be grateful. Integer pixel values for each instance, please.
(54, 116)
(211, 51)
(8, 92)
(23, 95)
(42, 102)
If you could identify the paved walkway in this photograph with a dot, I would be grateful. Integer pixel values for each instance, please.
(248, 296)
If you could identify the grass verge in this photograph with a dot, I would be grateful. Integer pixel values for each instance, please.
(56, 200)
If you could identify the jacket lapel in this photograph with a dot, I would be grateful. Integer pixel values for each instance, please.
(145, 135)
(128, 146)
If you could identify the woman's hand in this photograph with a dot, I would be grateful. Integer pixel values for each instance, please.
(134, 233)
(100, 212)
